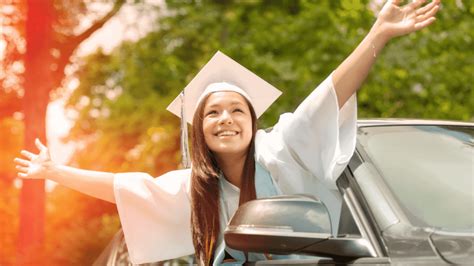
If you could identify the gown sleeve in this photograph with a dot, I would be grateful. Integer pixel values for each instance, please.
(155, 215)
(316, 141)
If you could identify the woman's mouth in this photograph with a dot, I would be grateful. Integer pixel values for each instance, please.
(227, 133)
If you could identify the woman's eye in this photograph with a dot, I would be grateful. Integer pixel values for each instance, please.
(212, 112)
(238, 110)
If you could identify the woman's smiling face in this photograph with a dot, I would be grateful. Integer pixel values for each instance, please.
(227, 123)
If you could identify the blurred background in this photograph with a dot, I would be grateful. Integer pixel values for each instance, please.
(93, 78)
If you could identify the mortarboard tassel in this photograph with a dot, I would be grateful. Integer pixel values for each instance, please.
(185, 159)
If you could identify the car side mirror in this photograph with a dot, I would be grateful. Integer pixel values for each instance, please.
(296, 224)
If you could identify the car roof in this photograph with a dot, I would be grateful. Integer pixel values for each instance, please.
(411, 122)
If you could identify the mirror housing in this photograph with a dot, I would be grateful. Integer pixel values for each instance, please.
(296, 224)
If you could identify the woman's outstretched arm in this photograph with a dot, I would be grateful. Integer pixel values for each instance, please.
(393, 20)
(40, 166)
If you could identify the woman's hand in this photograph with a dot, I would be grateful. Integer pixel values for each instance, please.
(35, 167)
(40, 166)
(395, 20)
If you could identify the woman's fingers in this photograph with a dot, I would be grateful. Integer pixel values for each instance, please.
(28, 154)
(22, 162)
(413, 5)
(426, 8)
(424, 23)
(40, 145)
(22, 169)
(395, 2)
(428, 14)
(33, 164)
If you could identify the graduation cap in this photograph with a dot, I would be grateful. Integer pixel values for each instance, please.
(221, 73)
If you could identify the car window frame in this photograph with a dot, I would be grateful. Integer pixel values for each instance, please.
(361, 213)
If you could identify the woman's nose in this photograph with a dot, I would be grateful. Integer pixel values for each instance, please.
(226, 118)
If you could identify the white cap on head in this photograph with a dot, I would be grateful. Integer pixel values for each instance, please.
(222, 86)
(222, 73)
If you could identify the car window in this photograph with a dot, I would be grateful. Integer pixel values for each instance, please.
(428, 169)
(347, 225)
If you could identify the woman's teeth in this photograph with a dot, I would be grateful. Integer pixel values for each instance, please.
(226, 133)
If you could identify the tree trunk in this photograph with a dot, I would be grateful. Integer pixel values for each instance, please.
(37, 84)
(43, 73)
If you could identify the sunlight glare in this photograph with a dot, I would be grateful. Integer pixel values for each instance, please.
(3, 45)
(57, 127)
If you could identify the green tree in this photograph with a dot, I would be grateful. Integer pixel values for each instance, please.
(426, 75)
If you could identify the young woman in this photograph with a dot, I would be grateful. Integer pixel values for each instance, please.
(185, 211)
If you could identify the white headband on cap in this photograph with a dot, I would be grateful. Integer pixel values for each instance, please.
(222, 86)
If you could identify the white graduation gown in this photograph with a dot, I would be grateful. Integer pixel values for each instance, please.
(305, 152)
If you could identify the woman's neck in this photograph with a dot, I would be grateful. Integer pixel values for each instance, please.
(232, 167)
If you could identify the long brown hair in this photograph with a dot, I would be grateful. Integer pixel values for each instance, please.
(205, 207)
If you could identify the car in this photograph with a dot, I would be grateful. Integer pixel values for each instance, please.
(407, 197)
